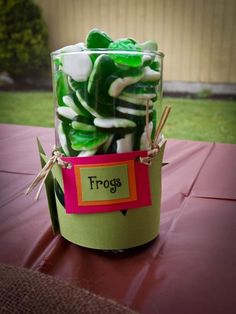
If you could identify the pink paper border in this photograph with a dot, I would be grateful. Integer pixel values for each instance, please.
(142, 181)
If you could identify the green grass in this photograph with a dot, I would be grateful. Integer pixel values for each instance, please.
(27, 108)
(201, 119)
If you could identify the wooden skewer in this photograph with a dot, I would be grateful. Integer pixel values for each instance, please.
(162, 122)
(147, 125)
(154, 146)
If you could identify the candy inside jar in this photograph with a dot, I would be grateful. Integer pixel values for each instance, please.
(107, 93)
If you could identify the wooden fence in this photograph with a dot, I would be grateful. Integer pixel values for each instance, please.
(198, 37)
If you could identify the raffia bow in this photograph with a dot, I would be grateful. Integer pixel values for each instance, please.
(42, 175)
(154, 145)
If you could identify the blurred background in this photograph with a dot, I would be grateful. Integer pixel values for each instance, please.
(198, 38)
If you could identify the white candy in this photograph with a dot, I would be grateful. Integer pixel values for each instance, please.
(80, 45)
(70, 48)
(138, 99)
(66, 112)
(119, 84)
(87, 153)
(146, 58)
(150, 75)
(132, 111)
(149, 46)
(77, 65)
(125, 144)
(70, 103)
(83, 126)
(114, 123)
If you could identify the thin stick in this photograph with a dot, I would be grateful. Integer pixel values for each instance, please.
(162, 122)
(154, 147)
(147, 124)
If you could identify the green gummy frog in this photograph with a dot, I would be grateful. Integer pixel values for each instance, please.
(133, 59)
(97, 39)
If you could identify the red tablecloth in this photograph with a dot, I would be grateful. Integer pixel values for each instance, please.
(190, 268)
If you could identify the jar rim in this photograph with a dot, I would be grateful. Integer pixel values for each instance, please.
(106, 51)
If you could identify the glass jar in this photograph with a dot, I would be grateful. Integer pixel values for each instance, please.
(106, 100)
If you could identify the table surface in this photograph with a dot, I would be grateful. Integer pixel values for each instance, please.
(189, 268)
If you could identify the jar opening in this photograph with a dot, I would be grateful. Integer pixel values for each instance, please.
(60, 52)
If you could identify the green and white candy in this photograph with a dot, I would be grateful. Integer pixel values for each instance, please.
(104, 96)
(76, 65)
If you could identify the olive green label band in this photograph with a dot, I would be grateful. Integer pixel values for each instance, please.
(104, 183)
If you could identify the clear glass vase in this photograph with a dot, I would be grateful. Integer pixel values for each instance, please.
(105, 100)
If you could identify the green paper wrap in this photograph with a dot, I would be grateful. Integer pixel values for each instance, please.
(113, 231)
